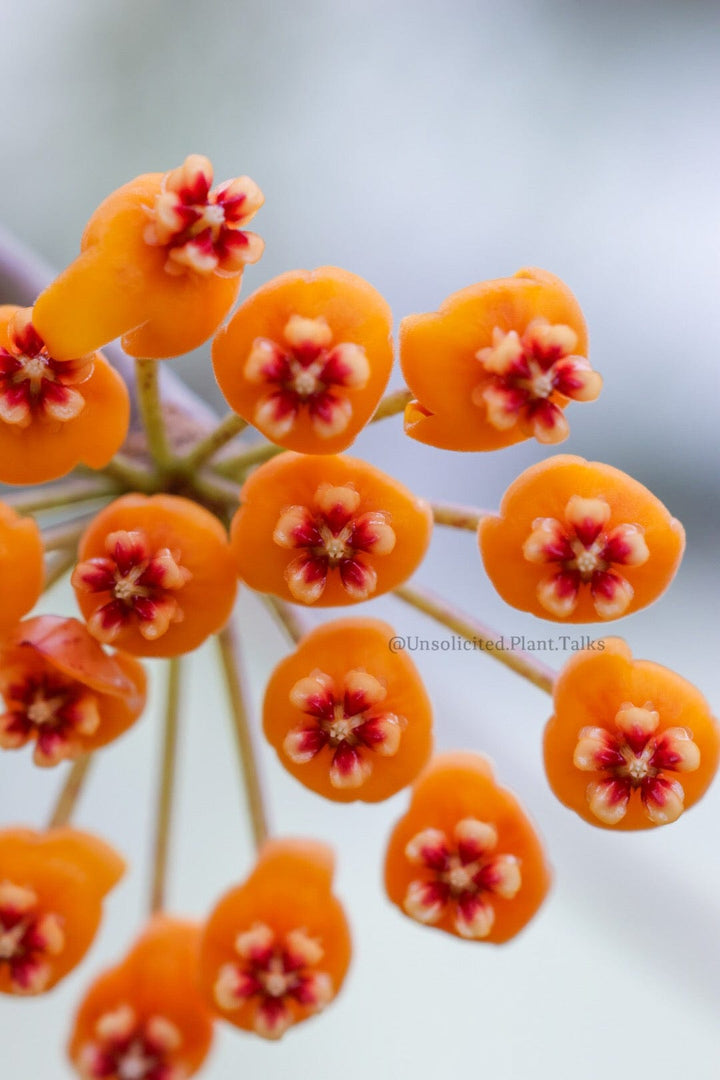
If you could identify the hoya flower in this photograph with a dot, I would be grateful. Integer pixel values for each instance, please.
(276, 949)
(52, 886)
(465, 858)
(22, 569)
(327, 530)
(161, 263)
(54, 413)
(348, 717)
(306, 358)
(63, 692)
(144, 1019)
(498, 363)
(156, 576)
(631, 744)
(577, 541)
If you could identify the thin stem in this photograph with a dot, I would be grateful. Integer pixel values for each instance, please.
(459, 517)
(392, 404)
(217, 488)
(150, 403)
(56, 496)
(60, 537)
(70, 792)
(230, 659)
(59, 568)
(230, 426)
(129, 474)
(255, 455)
(167, 787)
(484, 639)
(286, 618)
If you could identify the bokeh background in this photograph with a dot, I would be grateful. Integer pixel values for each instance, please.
(425, 146)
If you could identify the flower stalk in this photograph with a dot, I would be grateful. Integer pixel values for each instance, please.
(168, 770)
(70, 792)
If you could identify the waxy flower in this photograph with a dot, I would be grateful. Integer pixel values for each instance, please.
(348, 717)
(144, 1019)
(54, 413)
(155, 575)
(161, 263)
(465, 858)
(631, 744)
(306, 358)
(276, 949)
(327, 530)
(498, 363)
(22, 570)
(52, 886)
(62, 691)
(577, 541)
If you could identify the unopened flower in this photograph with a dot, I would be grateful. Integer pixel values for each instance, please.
(498, 363)
(22, 570)
(306, 358)
(578, 541)
(348, 717)
(465, 858)
(631, 744)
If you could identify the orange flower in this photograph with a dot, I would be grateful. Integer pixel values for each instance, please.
(276, 949)
(577, 541)
(51, 890)
(631, 744)
(63, 691)
(327, 530)
(161, 263)
(306, 358)
(497, 364)
(465, 858)
(156, 575)
(22, 570)
(54, 414)
(144, 1019)
(348, 717)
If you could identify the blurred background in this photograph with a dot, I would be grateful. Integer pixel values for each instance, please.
(425, 146)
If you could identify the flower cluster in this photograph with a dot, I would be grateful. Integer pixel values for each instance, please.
(184, 518)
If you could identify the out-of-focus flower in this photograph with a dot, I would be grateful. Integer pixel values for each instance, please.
(156, 575)
(498, 363)
(276, 949)
(145, 1019)
(63, 691)
(306, 358)
(54, 414)
(51, 890)
(465, 858)
(577, 541)
(161, 263)
(327, 530)
(631, 744)
(348, 717)
(22, 569)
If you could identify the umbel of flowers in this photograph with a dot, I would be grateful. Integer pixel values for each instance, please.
(158, 541)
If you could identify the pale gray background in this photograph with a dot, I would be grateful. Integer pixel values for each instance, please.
(426, 146)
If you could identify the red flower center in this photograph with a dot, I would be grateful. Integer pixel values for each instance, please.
(272, 971)
(586, 552)
(636, 757)
(56, 712)
(126, 1048)
(348, 724)
(135, 583)
(32, 384)
(29, 939)
(331, 537)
